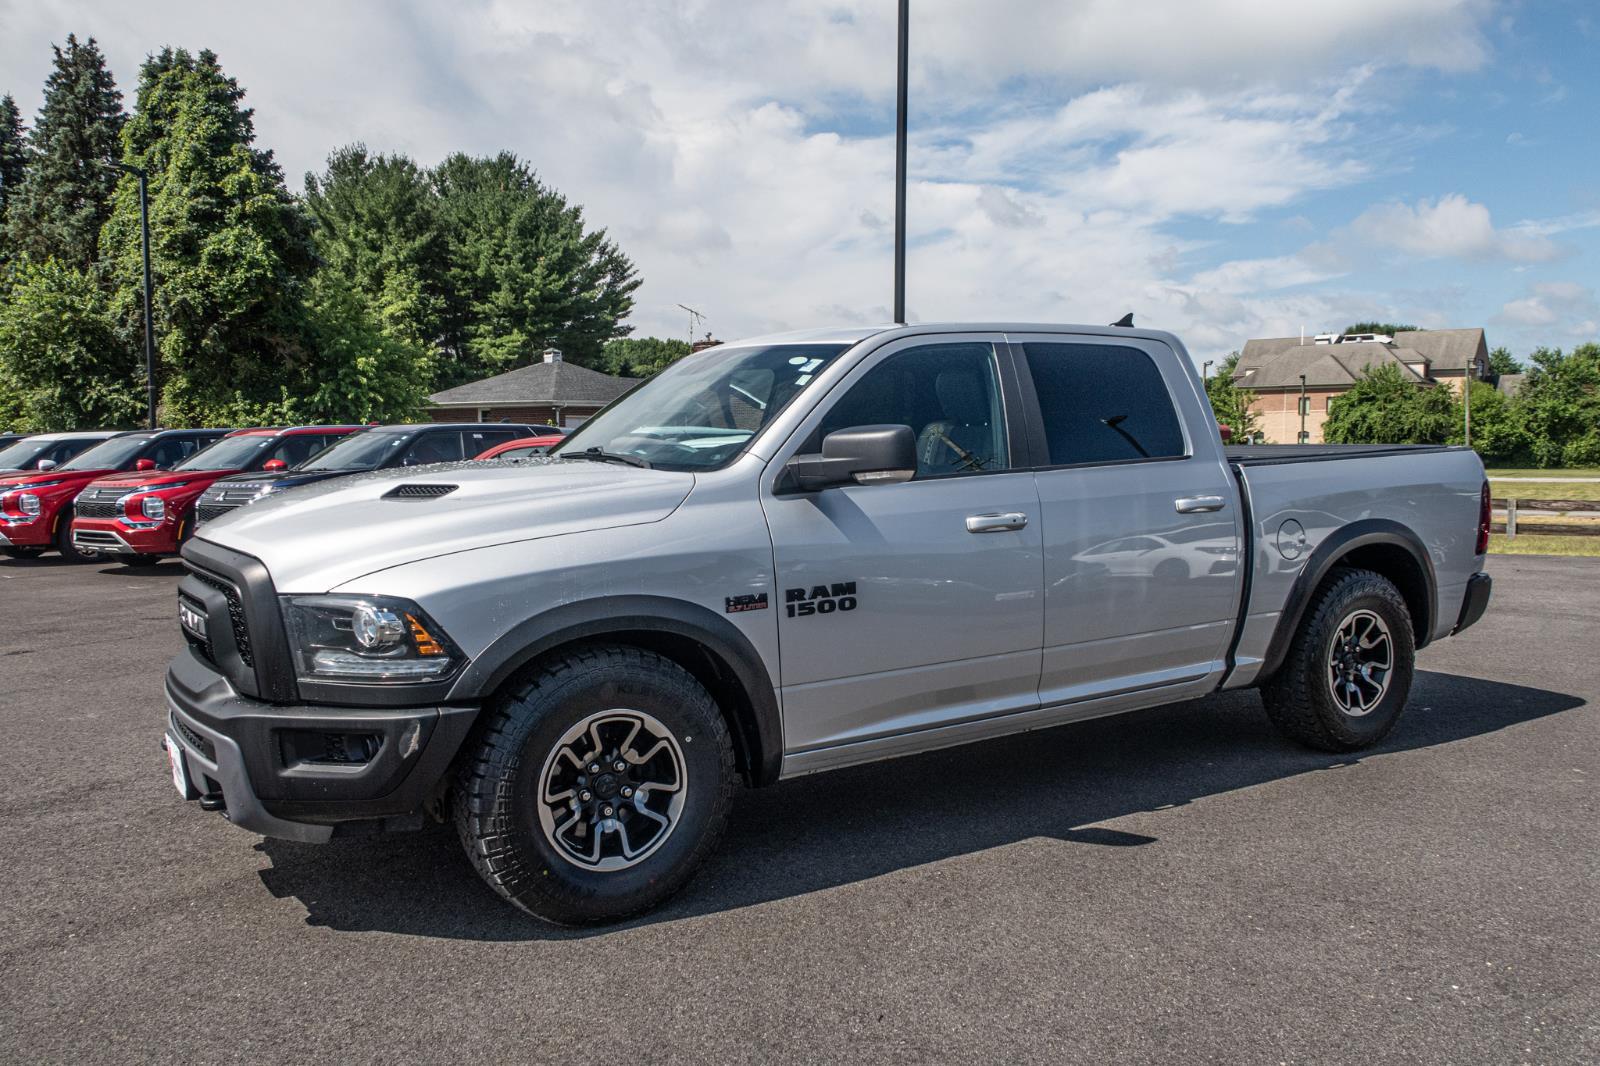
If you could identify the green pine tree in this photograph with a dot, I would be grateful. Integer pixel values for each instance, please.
(524, 272)
(230, 248)
(1501, 361)
(65, 196)
(13, 155)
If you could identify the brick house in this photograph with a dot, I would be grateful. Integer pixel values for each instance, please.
(1272, 368)
(551, 392)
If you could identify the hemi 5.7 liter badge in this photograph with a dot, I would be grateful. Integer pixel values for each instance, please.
(752, 601)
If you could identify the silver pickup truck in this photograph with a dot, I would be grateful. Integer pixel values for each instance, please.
(783, 556)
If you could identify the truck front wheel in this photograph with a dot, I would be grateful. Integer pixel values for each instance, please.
(601, 783)
(1348, 672)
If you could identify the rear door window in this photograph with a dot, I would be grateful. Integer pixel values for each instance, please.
(1103, 403)
(434, 446)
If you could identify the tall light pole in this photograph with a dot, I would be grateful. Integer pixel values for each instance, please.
(149, 320)
(900, 168)
(1302, 408)
(1466, 395)
(1205, 369)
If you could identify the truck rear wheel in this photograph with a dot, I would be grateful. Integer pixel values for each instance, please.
(601, 784)
(1348, 672)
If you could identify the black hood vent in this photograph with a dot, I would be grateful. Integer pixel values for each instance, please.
(418, 492)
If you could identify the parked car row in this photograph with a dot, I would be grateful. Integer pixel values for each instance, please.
(139, 495)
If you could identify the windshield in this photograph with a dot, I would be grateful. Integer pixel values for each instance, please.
(22, 454)
(359, 451)
(112, 455)
(229, 453)
(698, 413)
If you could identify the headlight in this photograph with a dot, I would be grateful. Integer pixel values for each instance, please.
(366, 639)
(153, 507)
(28, 504)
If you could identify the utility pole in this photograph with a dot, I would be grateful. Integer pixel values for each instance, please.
(149, 320)
(1205, 369)
(900, 168)
(1466, 396)
(1303, 409)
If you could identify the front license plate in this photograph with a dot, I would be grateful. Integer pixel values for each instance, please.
(180, 772)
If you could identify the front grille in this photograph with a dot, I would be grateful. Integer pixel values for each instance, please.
(100, 503)
(205, 512)
(221, 498)
(418, 492)
(241, 631)
(200, 743)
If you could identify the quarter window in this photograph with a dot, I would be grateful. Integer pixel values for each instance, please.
(1103, 403)
(949, 394)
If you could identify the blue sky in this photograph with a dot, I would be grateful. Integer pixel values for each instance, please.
(1225, 169)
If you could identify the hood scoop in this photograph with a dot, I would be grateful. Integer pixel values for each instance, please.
(418, 492)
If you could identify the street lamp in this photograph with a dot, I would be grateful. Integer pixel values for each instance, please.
(1205, 369)
(900, 168)
(149, 321)
(1302, 408)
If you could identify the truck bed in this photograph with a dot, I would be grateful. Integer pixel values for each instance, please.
(1264, 454)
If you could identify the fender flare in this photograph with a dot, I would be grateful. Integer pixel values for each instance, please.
(598, 618)
(1338, 544)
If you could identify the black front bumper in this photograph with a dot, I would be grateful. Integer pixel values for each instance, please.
(1475, 602)
(296, 770)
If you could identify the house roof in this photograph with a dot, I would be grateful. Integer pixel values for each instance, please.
(1324, 365)
(1278, 362)
(542, 383)
(1510, 384)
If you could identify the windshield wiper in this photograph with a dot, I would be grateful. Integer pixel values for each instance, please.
(599, 456)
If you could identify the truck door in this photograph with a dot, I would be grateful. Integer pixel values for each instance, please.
(907, 606)
(1140, 520)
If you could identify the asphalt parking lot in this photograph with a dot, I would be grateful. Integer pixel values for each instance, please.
(1176, 885)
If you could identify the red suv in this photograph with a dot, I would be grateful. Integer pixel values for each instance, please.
(35, 505)
(141, 516)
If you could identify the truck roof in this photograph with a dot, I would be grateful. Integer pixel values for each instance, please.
(856, 334)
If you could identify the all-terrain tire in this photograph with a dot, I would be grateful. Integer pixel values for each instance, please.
(1300, 698)
(498, 790)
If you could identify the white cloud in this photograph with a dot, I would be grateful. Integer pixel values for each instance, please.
(742, 155)
(1452, 227)
(1552, 302)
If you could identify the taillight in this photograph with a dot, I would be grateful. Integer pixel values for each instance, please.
(1485, 515)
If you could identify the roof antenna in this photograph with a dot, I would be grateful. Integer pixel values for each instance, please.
(1126, 321)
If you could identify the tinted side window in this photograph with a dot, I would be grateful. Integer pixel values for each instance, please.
(1103, 403)
(297, 448)
(438, 446)
(170, 451)
(949, 394)
(480, 441)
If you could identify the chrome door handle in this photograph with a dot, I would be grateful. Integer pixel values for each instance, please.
(996, 523)
(1198, 504)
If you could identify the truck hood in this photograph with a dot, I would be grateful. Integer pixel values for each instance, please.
(319, 536)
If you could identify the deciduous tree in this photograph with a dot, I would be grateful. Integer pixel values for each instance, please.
(1232, 404)
(524, 271)
(641, 357)
(1384, 407)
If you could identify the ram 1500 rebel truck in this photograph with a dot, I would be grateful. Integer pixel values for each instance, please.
(139, 516)
(783, 556)
(377, 448)
(36, 508)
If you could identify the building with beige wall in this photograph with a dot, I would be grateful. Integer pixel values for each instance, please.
(1277, 369)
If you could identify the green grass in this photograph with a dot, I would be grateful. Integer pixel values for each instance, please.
(1541, 544)
(1576, 471)
(1555, 490)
